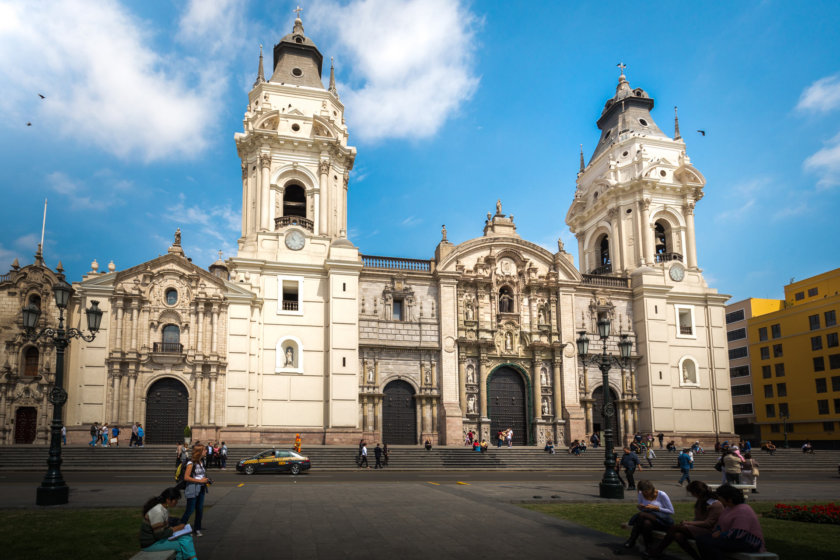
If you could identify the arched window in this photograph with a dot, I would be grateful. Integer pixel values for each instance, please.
(171, 334)
(604, 251)
(30, 361)
(661, 236)
(506, 300)
(35, 300)
(294, 201)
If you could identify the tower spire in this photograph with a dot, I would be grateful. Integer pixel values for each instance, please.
(332, 88)
(676, 124)
(582, 165)
(260, 74)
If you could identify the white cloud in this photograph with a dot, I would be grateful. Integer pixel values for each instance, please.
(105, 84)
(411, 221)
(216, 222)
(104, 190)
(826, 163)
(743, 196)
(218, 26)
(410, 63)
(821, 96)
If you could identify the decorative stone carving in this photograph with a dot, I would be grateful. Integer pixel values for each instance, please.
(324, 166)
(265, 160)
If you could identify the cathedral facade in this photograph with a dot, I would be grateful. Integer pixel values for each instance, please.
(301, 333)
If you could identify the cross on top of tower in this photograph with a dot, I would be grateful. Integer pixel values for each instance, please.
(297, 11)
(622, 66)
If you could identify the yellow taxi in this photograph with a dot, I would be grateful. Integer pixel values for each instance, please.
(274, 460)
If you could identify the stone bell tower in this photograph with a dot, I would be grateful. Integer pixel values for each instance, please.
(296, 370)
(633, 215)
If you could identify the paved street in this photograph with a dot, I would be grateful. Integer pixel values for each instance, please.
(377, 514)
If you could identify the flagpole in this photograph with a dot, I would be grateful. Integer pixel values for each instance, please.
(43, 225)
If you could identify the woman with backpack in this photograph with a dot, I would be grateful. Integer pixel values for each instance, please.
(196, 481)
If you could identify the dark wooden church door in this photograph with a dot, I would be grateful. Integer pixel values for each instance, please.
(507, 405)
(167, 411)
(399, 414)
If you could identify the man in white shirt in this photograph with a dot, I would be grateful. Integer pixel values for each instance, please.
(364, 460)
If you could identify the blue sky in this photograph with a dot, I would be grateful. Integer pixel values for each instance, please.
(451, 106)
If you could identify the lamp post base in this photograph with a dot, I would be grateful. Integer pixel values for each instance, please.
(52, 495)
(611, 489)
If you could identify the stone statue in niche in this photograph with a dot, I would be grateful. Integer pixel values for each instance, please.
(370, 374)
(470, 374)
(428, 376)
(290, 357)
(469, 312)
(546, 406)
(508, 342)
(544, 377)
(471, 404)
(541, 315)
(505, 303)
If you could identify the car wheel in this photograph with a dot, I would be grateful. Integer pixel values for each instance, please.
(249, 469)
(294, 469)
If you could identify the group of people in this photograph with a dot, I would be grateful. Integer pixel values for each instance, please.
(505, 436)
(577, 447)
(380, 452)
(109, 436)
(722, 522)
(216, 454)
(737, 467)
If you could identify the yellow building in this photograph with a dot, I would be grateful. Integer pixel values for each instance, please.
(795, 363)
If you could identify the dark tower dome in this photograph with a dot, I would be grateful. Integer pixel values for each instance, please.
(297, 60)
(627, 112)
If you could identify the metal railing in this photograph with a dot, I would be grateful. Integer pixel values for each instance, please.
(603, 269)
(168, 348)
(6, 277)
(396, 263)
(666, 257)
(290, 305)
(300, 221)
(605, 281)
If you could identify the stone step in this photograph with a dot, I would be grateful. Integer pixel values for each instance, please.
(161, 458)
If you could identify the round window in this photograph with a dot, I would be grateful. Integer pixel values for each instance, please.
(643, 122)
(625, 154)
(296, 127)
(662, 173)
(171, 296)
(297, 72)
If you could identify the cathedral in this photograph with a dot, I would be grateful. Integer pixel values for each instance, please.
(300, 332)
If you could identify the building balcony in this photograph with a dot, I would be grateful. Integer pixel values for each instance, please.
(603, 269)
(168, 348)
(290, 305)
(396, 263)
(300, 221)
(667, 257)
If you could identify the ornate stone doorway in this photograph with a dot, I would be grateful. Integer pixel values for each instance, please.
(399, 414)
(26, 424)
(598, 421)
(507, 405)
(167, 411)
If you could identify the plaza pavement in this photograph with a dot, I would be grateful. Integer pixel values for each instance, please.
(302, 518)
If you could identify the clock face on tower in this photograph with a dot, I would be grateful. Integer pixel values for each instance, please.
(677, 272)
(295, 240)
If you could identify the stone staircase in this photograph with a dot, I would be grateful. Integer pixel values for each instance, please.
(162, 458)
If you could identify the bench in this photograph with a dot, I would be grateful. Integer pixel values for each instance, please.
(659, 535)
(745, 488)
(155, 555)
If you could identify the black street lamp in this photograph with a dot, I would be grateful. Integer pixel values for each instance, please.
(610, 485)
(785, 418)
(53, 491)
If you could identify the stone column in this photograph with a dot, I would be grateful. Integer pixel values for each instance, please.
(691, 247)
(118, 338)
(375, 371)
(557, 391)
(265, 188)
(537, 382)
(462, 383)
(482, 386)
(115, 395)
(213, 399)
(647, 231)
(244, 198)
(588, 413)
(214, 331)
(434, 404)
(615, 240)
(147, 332)
(344, 203)
(197, 385)
(379, 415)
(324, 211)
(199, 346)
(132, 379)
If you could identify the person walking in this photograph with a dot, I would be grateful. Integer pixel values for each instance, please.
(133, 441)
(650, 455)
(377, 452)
(223, 452)
(94, 434)
(509, 437)
(297, 443)
(105, 434)
(180, 454)
(749, 471)
(385, 453)
(359, 456)
(64, 435)
(630, 462)
(686, 464)
(501, 439)
(115, 436)
(196, 479)
(140, 435)
(594, 440)
(363, 456)
(661, 438)
(732, 467)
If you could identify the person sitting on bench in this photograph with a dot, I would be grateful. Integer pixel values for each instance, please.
(737, 530)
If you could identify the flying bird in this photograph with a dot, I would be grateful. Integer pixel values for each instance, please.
(42, 96)
(29, 124)
(703, 132)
